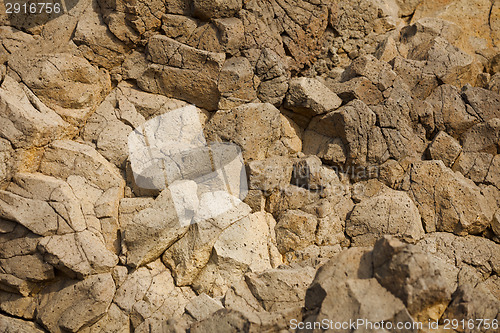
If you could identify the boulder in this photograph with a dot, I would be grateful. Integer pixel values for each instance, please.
(270, 174)
(411, 275)
(295, 230)
(6, 162)
(310, 97)
(70, 305)
(446, 200)
(57, 211)
(203, 306)
(206, 10)
(248, 245)
(450, 113)
(380, 73)
(445, 148)
(256, 127)
(9, 324)
(473, 165)
(68, 84)
(237, 83)
(78, 255)
(177, 72)
(309, 173)
(388, 213)
(149, 229)
(187, 256)
(482, 137)
(149, 296)
(486, 104)
(25, 120)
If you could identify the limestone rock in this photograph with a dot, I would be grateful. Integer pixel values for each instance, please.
(57, 208)
(391, 212)
(149, 296)
(310, 97)
(70, 85)
(202, 306)
(78, 255)
(482, 137)
(237, 83)
(295, 230)
(191, 253)
(270, 174)
(150, 230)
(474, 165)
(247, 245)
(444, 148)
(410, 275)
(254, 127)
(9, 324)
(454, 205)
(6, 162)
(279, 289)
(450, 113)
(70, 305)
(25, 120)
(352, 123)
(177, 73)
(378, 72)
(215, 9)
(486, 104)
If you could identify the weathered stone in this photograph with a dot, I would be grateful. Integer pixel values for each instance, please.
(486, 104)
(67, 84)
(25, 120)
(9, 324)
(149, 296)
(246, 245)
(451, 114)
(392, 212)
(149, 232)
(191, 253)
(410, 275)
(28, 267)
(420, 83)
(71, 305)
(17, 305)
(295, 230)
(78, 255)
(445, 148)
(352, 123)
(279, 289)
(378, 72)
(270, 174)
(231, 33)
(483, 137)
(254, 127)
(205, 9)
(177, 72)
(237, 83)
(115, 320)
(6, 162)
(310, 97)
(202, 306)
(57, 208)
(65, 158)
(96, 43)
(356, 88)
(454, 204)
(273, 74)
(473, 165)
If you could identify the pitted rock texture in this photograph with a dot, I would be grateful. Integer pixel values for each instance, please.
(368, 183)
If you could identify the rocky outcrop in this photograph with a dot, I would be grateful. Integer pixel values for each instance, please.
(249, 166)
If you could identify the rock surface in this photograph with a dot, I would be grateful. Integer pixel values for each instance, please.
(249, 166)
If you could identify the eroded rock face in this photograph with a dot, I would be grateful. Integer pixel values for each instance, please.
(366, 183)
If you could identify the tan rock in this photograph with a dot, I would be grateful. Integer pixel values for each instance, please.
(9, 324)
(58, 210)
(444, 148)
(70, 305)
(236, 83)
(71, 86)
(454, 205)
(176, 74)
(392, 213)
(482, 137)
(270, 174)
(78, 255)
(295, 230)
(473, 165)
(310, 97)
(214, 9)
(26, 121)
